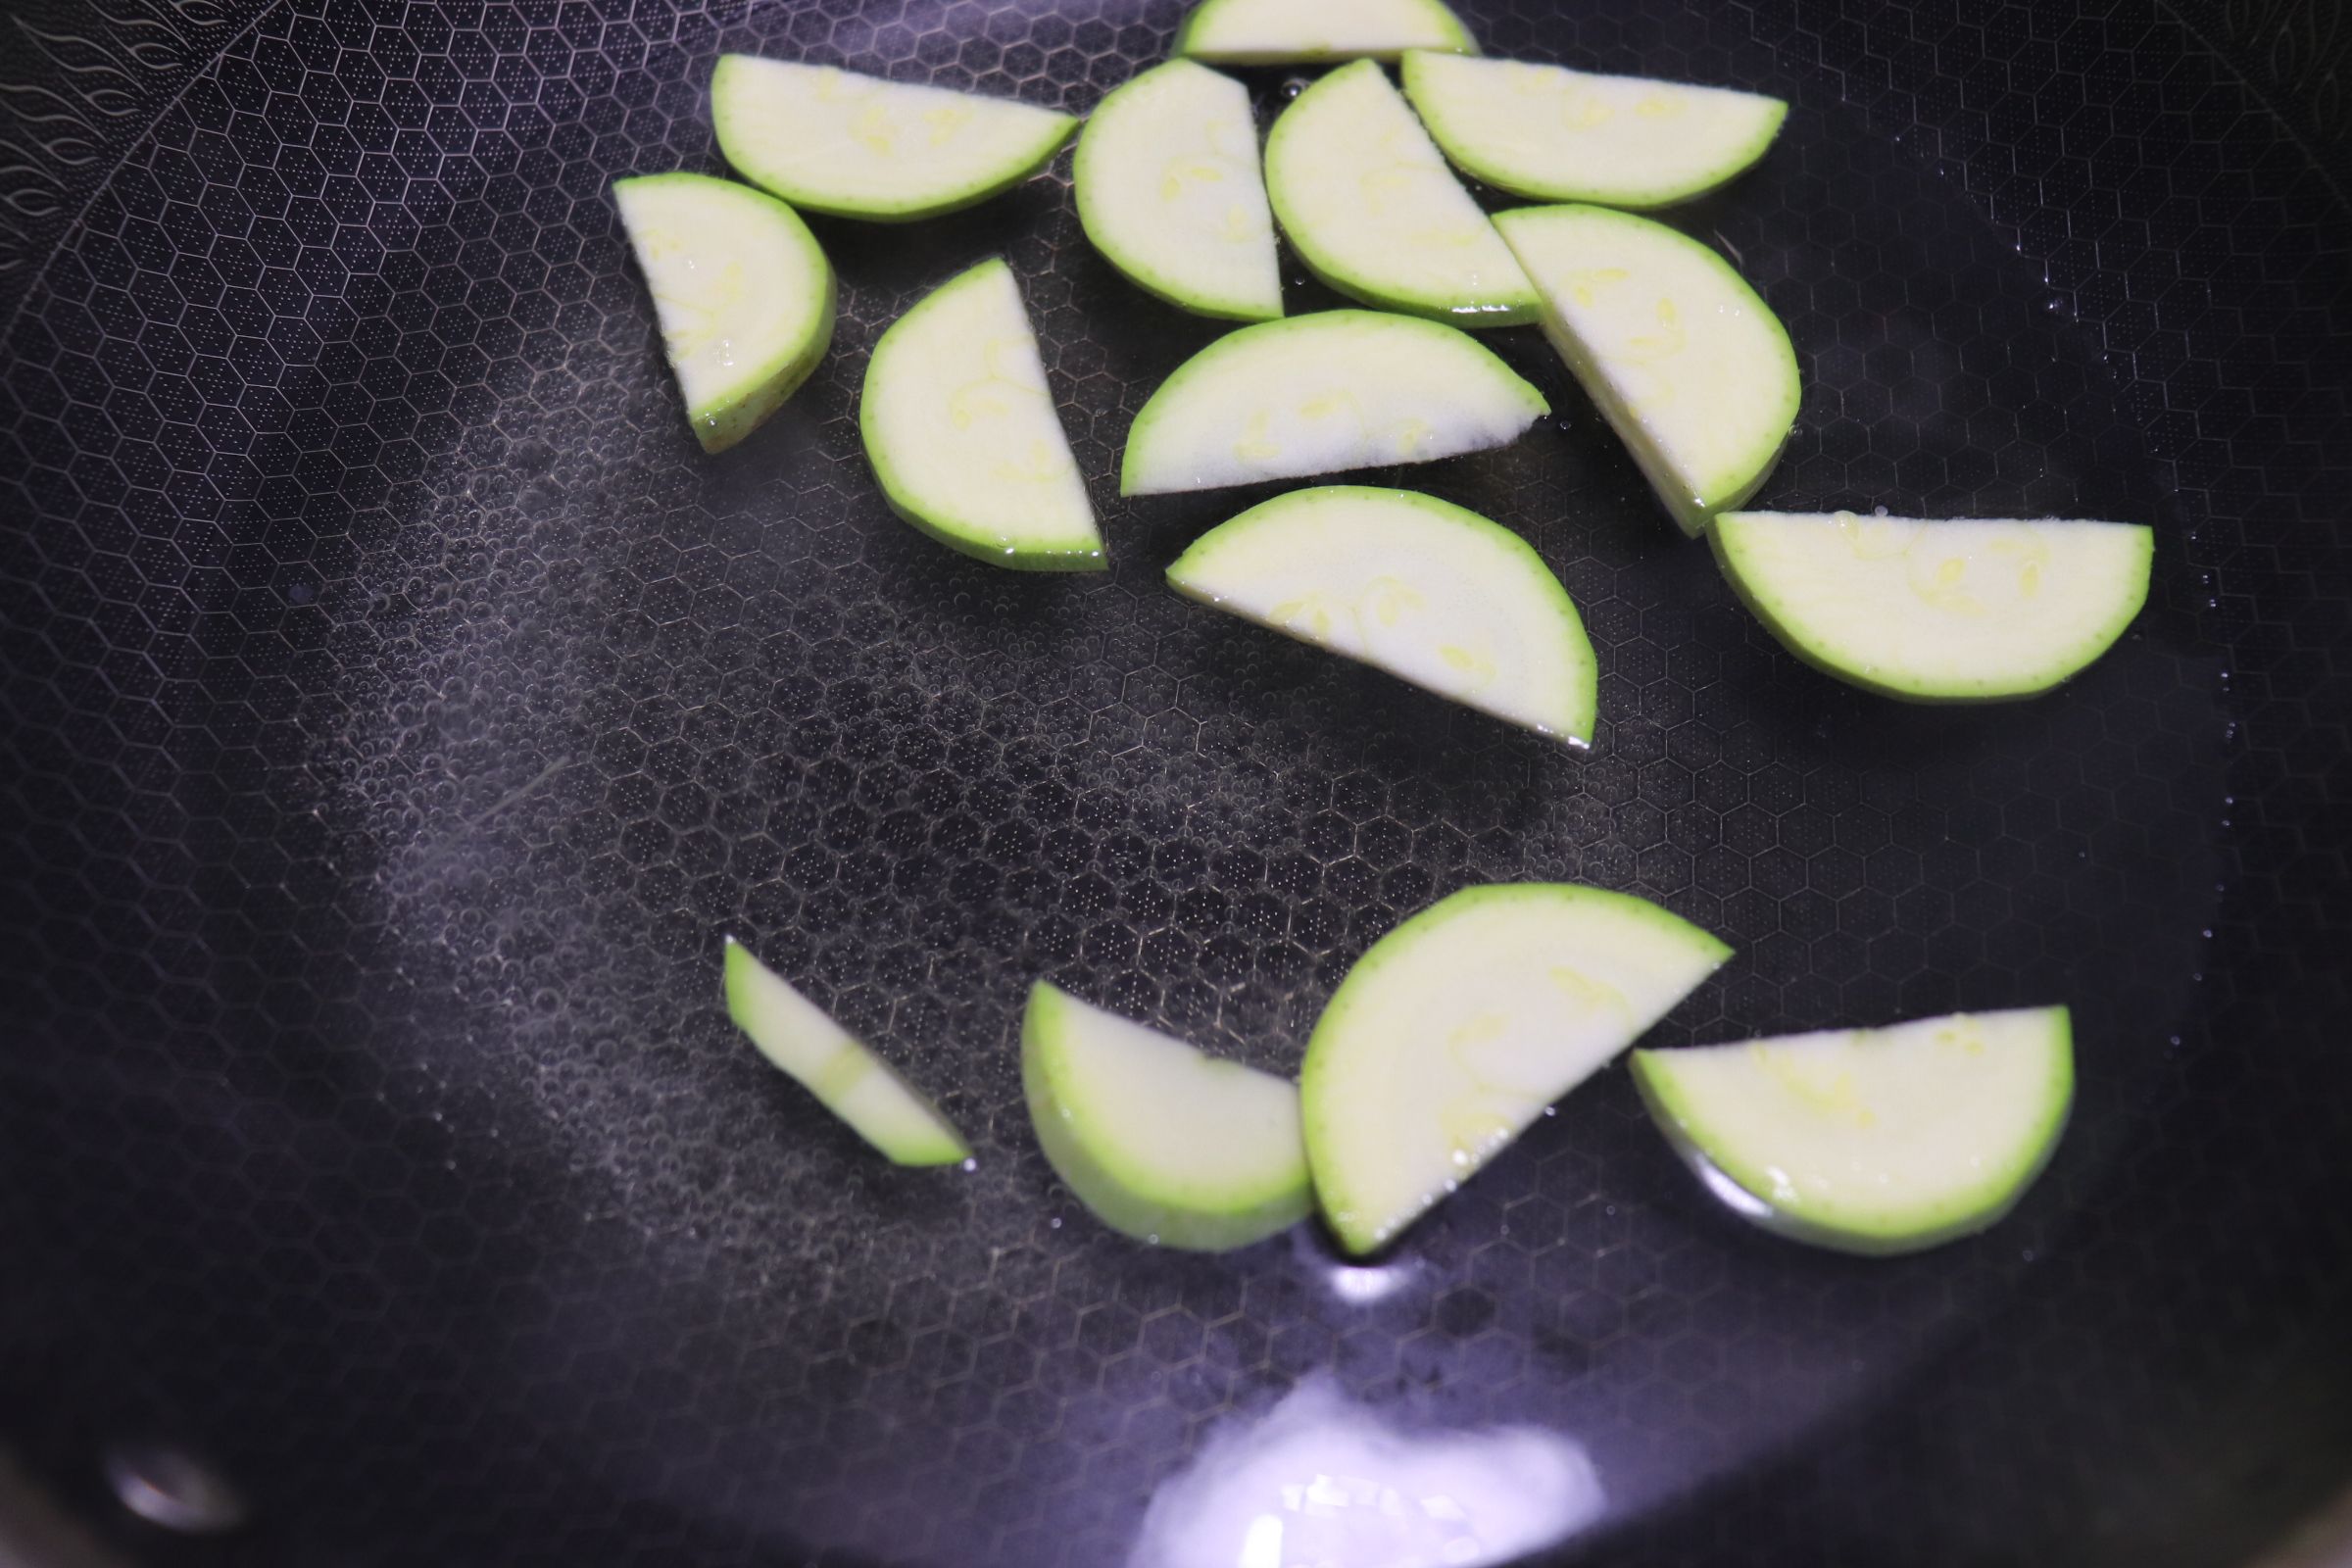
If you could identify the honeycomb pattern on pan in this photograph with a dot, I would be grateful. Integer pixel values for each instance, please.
(400, 708)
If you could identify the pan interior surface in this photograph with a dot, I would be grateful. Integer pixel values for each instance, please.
(402, 710)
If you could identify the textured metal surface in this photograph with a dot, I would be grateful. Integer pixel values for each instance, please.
(402, 709)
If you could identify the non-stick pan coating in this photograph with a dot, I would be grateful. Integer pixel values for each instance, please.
(400, 708)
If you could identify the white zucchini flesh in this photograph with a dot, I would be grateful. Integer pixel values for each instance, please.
(1273, 32)
(1373, 210)
(833, 141)
(1321, 394)
(847, 1078)
(1553, 134)
(1683, 358)
(1960, 610)
(1169, 190)
(1163, 1142)
(743, 292)
(1875, 1141)
(1456, 1030)
(1428, 592)
(959, 425)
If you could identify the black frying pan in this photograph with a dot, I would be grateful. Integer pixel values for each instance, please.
(400, 709)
